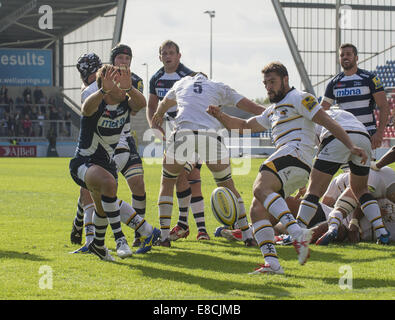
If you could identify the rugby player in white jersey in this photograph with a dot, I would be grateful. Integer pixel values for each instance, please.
(188, 183)
(192, 95)
(381, 184)
(291, 118)
(331, 155)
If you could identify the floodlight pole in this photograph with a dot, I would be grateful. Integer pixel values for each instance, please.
(211, 13)
(146, 78)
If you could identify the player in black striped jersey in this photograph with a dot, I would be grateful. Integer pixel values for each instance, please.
(126, 156)
(358, 91)
(87, 66)
(188, 183)
(104, 114)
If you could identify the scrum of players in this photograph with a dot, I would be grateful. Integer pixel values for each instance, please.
(357, 205)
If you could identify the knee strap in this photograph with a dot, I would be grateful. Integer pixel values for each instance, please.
(133, 172)
(222, 176)
(169, 175)
(346, 204)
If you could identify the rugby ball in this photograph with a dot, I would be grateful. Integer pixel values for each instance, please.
(224, 206)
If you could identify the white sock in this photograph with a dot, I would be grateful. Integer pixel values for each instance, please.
(264, 235)
(88, 223)
(307, 209)
(278, 208)
(130, 217)
(334, 220)
(371, 210)
(242, 221)
(165, 205)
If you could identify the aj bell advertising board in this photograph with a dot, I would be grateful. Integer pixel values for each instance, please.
(25, 67)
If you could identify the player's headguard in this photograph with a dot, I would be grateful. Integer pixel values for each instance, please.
(120, 49)
(88, 64)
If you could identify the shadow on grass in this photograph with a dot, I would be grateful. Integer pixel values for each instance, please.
(357, 283)
(21, 255)
(261, 288)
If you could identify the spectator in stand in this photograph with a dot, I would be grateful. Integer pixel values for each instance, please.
(52, 101)
(3, 127)
(27, 95)
(38, 95)
(40, 117)
(3, 94)
(17, 120)
(67, 118)
(27, 126)
(11, 125)
(53, 116)
(10, 105)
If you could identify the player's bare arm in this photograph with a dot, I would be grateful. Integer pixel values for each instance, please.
(250, 106)
(323, 119)
(153, 101)
(382, 103)
(164, 105)
(233, 122)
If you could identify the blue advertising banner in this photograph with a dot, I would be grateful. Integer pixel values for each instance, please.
(25, 67)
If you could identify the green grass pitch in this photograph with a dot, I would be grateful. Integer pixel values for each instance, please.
(38, 202)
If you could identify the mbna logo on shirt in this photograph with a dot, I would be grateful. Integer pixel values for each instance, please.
(112, 123)
(348, 92)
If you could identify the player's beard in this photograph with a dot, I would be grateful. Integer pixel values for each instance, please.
(279, 95)
(351, 65)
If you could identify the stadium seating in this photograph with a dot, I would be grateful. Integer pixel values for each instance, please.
(386, 73)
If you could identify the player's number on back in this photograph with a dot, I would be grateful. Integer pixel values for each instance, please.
(197, 87)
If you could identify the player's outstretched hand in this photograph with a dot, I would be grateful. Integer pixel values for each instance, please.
(360, 153)
(125, 80)
(109, 79)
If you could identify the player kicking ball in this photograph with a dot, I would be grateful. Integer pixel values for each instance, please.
(291, 118)
(196, 134)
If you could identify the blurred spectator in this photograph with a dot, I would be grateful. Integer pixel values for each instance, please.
(18, 120)
(53, 115)
(3, 94)
(27, 126)
(3, 127)
(40, 117)
(52, 101)
(38, 95)
(67, 118)
(11, 125)
(27, 95)
(2, 111)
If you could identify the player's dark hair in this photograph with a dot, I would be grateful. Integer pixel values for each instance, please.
(349, 45)
(195, 73)
(118, 49)
(169, 43)
(276, 67)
